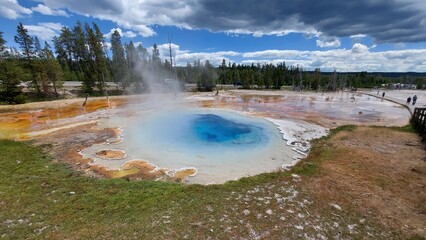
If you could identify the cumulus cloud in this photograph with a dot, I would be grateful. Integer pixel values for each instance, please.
(358, 36)
(328, 43)
(359, 48)
(44, 31)
(182, 57)
(127, 34)
(12, 10)
(43, 9)
(384, 20)
(215, 58)
(358, 58)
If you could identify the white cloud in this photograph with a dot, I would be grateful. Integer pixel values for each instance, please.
(44, 31)
(12, 10)
(358, 58)
(51, 25)
(43, 9)
(143, 30)
(182, 57)
(215, 58)
(359, 48)
(328, 44)
(127, 34)
(358, 36)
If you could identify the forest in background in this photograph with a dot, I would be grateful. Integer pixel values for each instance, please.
(81, 54)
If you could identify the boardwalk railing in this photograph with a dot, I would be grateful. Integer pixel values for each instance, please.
(419, 121)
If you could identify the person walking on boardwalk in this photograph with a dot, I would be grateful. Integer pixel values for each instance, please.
(414, 99)
(408, 100)
(383, 94)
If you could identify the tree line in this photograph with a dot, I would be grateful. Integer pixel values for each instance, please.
(81, 54)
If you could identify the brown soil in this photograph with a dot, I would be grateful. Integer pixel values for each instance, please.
(378, 171)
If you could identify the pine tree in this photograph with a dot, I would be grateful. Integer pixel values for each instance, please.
(99, 73)
(37, 48)
(207, 80)
(53, 68)
(10, 78)
(119, 67)
(26, 43)
(143, 53)
(155, 54)
(133, 59)
(81, 55)
(2, 46)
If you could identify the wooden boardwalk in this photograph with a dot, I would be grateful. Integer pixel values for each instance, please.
(419, 121)
(418, 115)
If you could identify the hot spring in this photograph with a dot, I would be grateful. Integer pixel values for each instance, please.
(221, 145)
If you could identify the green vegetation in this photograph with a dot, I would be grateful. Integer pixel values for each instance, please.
(41, 199)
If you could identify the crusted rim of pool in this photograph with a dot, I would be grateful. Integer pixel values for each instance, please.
(154, 137)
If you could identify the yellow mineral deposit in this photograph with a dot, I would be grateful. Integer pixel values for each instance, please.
(111, 154)
(182, 174)
(138, 169)
(18, 123)
(126, 172)
(142, 170)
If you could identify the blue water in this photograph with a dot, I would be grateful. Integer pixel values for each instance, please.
(222, 145)
(214, 128)
(196, 131)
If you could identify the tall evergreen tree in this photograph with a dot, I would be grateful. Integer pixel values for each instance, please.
(53, 69)
(207, 80)
(10, 78)
(99, 69)
(119, 66)
(2, 46)
(133, 60)
(155, 54)
(37, 48)
(143, 53)
(81, 54)
(26, 43)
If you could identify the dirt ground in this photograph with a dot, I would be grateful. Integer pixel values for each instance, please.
(379, 172)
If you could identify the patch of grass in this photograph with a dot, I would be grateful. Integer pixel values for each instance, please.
(321, 151)
(407, 128)
(42, 199)
(49, 196)
(347, 128)
(416, 237)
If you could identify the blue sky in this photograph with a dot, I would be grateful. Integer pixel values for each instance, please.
(363, 35)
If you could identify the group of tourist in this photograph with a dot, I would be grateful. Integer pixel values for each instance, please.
(414, 100)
